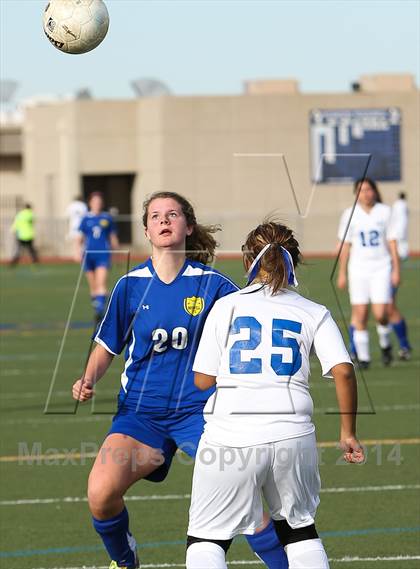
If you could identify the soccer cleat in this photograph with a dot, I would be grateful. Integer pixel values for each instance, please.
(387, 356)
(404, 354)
(114, 565)
(364, 364)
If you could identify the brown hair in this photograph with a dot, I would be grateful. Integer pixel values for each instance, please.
(372, 184)
(273, 271)
(200, 245)
(96, 195)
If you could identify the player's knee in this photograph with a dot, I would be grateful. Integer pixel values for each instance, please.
(359, 322)
(287, 534)
(101, 497)
(204, 553)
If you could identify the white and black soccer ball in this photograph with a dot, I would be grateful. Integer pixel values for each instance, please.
(75, 26)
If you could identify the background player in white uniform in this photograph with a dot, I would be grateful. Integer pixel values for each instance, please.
(75, 212)
(370, 250)
(259, 437)
(400, 216)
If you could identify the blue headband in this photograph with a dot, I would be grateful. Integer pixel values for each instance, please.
(288, 262)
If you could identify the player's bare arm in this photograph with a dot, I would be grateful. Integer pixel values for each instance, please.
(114, 241)
(395, 259)
(99, 361)
(204, 381)
(346, 392)
(342, 267)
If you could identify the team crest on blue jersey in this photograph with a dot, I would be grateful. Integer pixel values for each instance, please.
(194, 305)
(104, 222)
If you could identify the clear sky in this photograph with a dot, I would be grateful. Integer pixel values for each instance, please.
(212, 46)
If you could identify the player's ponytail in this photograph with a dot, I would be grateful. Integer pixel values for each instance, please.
(271, 254)
(200, 245)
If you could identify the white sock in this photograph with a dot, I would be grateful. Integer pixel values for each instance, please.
(307, 554)
(205, 555)
(361, 342)
(384, 334)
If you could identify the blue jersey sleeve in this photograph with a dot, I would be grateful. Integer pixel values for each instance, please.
(226, 287)
(115, 327)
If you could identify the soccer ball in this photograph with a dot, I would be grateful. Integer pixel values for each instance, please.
(75, 26)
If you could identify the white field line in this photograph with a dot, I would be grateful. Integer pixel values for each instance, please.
(349, 559)
(50, 419)
(346, 559)
(376, 408)
(154, 497)
(42, 394)
(21, 371)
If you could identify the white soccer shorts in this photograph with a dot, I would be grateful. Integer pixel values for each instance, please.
(370, 286)
(229, 482)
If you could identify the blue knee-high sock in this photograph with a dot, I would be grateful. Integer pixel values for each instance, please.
(118, 541)
(351, 343)
(400, 329)
(267, 546)
(99, 304)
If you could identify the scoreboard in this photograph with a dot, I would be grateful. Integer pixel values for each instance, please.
(346, 144)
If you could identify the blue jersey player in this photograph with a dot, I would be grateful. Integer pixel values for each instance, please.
(156, 314)
(97, 237)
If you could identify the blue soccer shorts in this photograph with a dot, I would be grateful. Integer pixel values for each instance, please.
(166, 431)
(94, 260)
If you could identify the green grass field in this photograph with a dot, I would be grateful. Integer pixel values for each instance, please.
(366, 511)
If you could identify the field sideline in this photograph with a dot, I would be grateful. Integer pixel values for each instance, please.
(368, 516)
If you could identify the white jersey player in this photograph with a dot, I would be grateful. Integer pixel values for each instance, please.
(259, 437)
(75, 212)
(367, 235)
(400, 216)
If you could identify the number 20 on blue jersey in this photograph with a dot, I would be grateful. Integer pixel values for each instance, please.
(254, 365)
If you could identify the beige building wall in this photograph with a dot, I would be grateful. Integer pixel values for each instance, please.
(197, 146)
(63, 142)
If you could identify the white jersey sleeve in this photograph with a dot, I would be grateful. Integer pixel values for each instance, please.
(209, 352)
(329, 345)
(393, 229)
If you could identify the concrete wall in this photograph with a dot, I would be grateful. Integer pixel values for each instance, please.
(62, 142)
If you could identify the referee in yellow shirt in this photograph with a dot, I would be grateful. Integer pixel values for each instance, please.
(23, 228)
